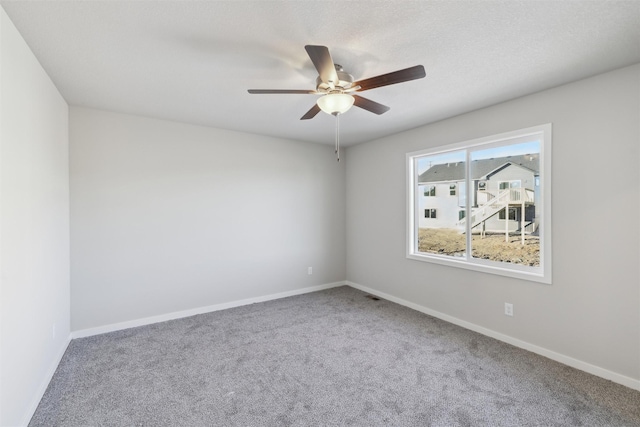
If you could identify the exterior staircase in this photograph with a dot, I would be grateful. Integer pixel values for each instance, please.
(504, 198)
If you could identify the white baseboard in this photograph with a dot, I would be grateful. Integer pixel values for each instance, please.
(194, 311)
(45, 383)
(566, 360)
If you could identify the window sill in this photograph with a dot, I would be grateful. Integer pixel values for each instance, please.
(534, 274)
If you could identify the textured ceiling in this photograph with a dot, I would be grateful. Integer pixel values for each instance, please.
(194, 61)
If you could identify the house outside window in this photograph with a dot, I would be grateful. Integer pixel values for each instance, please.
(500, 221)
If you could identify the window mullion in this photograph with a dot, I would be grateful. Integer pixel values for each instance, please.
(416, 211)
(467, 207)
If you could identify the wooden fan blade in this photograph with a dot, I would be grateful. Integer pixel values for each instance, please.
(263, 91)
(411, 73)
(369, 105)
(324, 64)
(311, 113)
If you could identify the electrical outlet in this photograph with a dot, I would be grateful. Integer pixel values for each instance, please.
(508, 309)
(310, 271)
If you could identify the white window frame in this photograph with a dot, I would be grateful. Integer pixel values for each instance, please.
(541, 274)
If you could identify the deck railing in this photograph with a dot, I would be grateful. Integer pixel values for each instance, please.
(510, 195)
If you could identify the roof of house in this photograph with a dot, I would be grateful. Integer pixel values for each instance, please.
(479, 168)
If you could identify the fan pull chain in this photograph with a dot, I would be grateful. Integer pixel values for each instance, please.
(337, 136)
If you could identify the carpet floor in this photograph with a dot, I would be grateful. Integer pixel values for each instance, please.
(329, 358)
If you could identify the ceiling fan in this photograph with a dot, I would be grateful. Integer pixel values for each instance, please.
(337, 87)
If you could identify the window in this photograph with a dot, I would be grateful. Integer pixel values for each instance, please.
(501, 220)
(430, 191)
(429, 213)
(509, 184)
(512, 214)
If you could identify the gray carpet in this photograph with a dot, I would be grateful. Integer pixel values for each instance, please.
(328, 358)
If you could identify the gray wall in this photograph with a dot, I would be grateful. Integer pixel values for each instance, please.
(168, 217)
(591, 312)
(34, 228)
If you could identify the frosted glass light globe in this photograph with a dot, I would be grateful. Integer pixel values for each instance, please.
(335, 103)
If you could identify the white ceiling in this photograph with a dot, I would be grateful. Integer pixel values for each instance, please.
(194, 61)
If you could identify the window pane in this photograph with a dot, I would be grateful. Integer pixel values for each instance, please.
(437, 177)
(509, 176)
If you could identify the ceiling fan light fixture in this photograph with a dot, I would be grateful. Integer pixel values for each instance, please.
(335, 103)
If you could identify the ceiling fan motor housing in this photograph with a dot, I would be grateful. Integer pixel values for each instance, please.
(345, 81)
